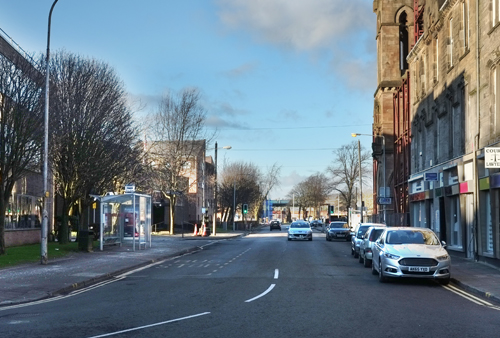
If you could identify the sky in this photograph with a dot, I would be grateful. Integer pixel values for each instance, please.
(283, 82)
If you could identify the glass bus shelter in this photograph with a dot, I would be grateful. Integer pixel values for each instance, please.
(125, 220)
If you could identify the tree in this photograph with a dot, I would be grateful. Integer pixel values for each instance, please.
(345, 170)
(179, 139)
(239, 181)
(92, 137)
(21, 127)
(266, 183)
(312, 192)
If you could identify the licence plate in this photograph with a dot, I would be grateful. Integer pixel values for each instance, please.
(418, 269)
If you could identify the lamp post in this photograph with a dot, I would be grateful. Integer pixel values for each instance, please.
(45, 215)
(216, 188)
(383, 164)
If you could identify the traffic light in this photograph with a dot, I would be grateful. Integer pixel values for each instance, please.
(331, 209)
(245, 208)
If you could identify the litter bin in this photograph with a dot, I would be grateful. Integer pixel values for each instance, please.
(85, 240)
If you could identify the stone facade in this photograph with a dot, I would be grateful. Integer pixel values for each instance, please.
(394, 29)
(454, 72)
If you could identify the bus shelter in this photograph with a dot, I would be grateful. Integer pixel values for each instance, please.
(125, 220)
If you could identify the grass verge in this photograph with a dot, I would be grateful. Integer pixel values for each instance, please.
(31, 253)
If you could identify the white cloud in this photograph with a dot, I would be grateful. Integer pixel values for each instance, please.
(303, 25)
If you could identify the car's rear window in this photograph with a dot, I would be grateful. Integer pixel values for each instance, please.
(375, 234)
(362, 230)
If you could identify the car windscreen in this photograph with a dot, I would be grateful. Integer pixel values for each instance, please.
(337, 225)
(299, 225)
(412, 237)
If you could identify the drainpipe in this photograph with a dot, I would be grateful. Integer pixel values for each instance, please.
(476, 142)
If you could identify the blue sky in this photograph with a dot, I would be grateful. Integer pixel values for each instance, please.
(283, 81)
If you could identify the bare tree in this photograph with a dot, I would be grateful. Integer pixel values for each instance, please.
(239, 182)
(345, 171)
(21, 127)
(312, 192)
(179, 139)
(266, 183)
(92, 137)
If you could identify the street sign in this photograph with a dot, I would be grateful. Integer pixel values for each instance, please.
(130, 188)
(430, 177)
(384, 200)
(492, 157)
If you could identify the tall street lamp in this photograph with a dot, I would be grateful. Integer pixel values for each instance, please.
(216, 188)
(46, 194)
(383, 164)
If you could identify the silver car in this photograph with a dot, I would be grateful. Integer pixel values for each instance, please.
(366, 246)
(357, 237)
(300, 230)
(411, 252)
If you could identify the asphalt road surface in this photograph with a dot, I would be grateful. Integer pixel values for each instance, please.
(257, 286)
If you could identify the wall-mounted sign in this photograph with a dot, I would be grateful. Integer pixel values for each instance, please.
(430, 176)
(492, 157)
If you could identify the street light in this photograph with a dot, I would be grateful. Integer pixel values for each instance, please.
(383, 164)
(216, 187)
(45, 215)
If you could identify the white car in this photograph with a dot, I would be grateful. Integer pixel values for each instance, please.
(412, 253)
(367, 244)
(300, 230)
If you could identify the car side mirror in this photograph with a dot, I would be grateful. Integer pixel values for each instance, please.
(443, 243)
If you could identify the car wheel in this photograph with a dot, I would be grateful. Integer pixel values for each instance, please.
(381, 277)
(289, 239)
(347, 239)
(360, 258)
(444, 281)
(356, 254)
(270, 229)
(374, 272)
(366, 262)
(310, 239)
(352, 251)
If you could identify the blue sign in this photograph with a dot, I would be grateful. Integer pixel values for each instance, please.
(385, 200)
(430, 177)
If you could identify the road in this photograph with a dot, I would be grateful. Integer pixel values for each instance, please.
(257, 286)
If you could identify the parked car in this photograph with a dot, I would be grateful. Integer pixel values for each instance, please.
(338, 230)
(366, 246)
(412, 253)
(275, 224)
(300, 230)
(357, 236)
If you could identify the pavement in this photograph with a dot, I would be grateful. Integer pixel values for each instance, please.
(32, 282)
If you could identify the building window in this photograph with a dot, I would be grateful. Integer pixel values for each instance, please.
(450, 43)
(435, 62)
(495, 98)
(464, 33)
(488, 241)
(495, 4)
(403, 43)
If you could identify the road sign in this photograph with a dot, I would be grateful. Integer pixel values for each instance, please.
(492, 157)
(384, 200)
